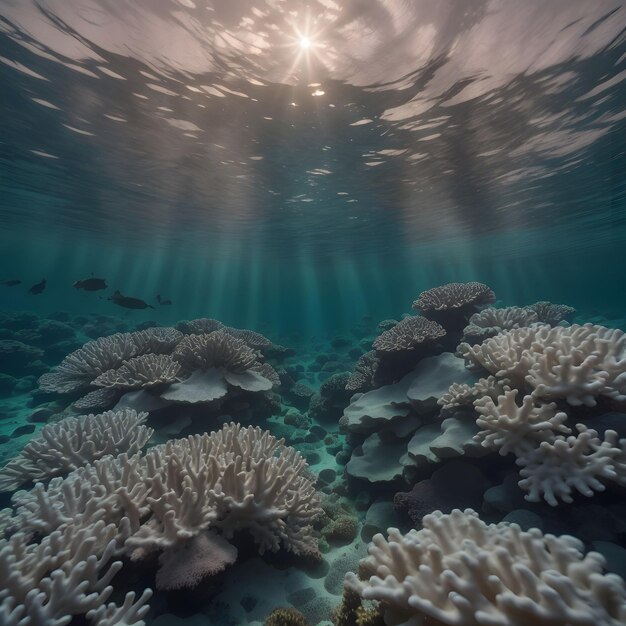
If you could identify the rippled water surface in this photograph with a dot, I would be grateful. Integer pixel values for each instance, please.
(206, 148)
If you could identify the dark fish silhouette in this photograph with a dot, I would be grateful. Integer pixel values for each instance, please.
(91, 284)
(38, 288)
(129, 303)
(163, 302)
(11, 283)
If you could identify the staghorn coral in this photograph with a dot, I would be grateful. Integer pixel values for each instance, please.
(552, 314)
(75, 441)
(490, 322)
(464, 395)
(557, 468)
(141, 372)
(186, 497)
(461, 571)
(507, 427)
(235, 478)
(67, 573)
(408, 335)
(575, 363)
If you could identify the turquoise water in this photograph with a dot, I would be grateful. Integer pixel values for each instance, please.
(305, 169)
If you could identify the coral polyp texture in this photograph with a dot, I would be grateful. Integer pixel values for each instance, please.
(215, 349)
(458, 570)
(553, 314)
(73, 442)
(409, 334)
(454, 296)
(490, 322)
(147, 370)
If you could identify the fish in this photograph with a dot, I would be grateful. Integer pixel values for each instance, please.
(11, 283)
(128, 302)
(37, 288)
(163, 302)
(91, 284)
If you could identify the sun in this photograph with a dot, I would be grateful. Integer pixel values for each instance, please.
(305, 42)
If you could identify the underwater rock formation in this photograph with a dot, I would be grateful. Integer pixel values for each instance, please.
(461, 571)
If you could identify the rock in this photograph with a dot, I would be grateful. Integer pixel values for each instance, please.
(26, 429)
(525, 519)
(505, 497)
(380, 516)
(377, 461)
(327, 476)
(41, 416)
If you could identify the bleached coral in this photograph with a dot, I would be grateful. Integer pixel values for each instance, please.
(213, 350)
(575, 363)
(156, 340)
(230, 480)
(464, 395)
(79, 368)
(580, 463)
(490, 322)
(73, 442)
(235, 478)
(67, 573)
(508, 427)
(461, 571)
(141, 372)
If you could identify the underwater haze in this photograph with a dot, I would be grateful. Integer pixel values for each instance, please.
(312, 312)
(198, 150)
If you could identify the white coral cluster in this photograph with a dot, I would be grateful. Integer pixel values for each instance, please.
(159, 366)
(461, 571)
(230, 480)
(185, 499)
(575, 363)
(67, 573)
(73, 442)
(531, 370)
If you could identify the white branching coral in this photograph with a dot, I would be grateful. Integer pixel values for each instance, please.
(575, 363)
(235, 478)
(67, 573)
(558, 468)
(219, 483)
(507, 427)
(141, 372)
(73, 442)
(461, 571)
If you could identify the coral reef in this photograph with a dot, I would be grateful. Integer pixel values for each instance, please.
(459, 570)
(73, 442)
